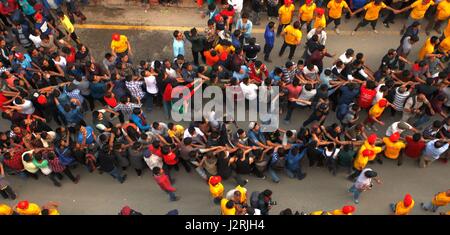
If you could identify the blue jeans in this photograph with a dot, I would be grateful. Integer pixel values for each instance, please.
(149, 100)
(273, 175)
(421, 120)
(355, 192)
(430, 207)
(115, 173)
(167, 108)
(392, 206)
(172, 195)
(291, 107)
(294, 174)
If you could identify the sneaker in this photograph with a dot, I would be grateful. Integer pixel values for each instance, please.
(263, 177)
(375, 31)
(386, 25)
(337, 31)
(353, 33)
(268, 60)
(302, 176)
(423, 206)
(287, 122)
(57, 184)
(380, 161)
(123, 179)
(356, 201)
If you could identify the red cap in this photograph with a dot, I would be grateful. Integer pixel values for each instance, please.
(215, 179)
(308, 1)
(382, 103)
(319, 11)
(367, 153)
(348, 209)
(407, 200)
(372, 138)
(23, 205)
(38, 16)
(18, 55)
(394, 137)
(116, 37)
(218, 17)
(42, 99)
(426, 1)
(286, 2)
(126, 210)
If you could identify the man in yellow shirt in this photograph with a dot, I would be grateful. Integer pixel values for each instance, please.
(68, 26)
(175, 132)
(403, 207)
(440, 199)
(285, 14)
(375, 113)
(306, 14)
(394, 147)
(444, 47)
(346, 210)
(26, 208)
(372, 14)
(6, 210)
(419, 8)
(227, 207)
(120, 46)
(428, 48)
(442, 14)
(447, 29)
(216, 188)
(292, 38)
(335, 8)
(319, 18)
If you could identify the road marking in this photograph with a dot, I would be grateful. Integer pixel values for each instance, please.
(201, 29)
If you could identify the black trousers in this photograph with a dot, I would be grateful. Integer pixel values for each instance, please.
(5, 20)
(195, 56)
(267, 50)
(186, 164)
(365, 22)
(291, 50)
(8, 192)
(280, 28)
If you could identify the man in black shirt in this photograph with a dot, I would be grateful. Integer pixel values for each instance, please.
(106, 162)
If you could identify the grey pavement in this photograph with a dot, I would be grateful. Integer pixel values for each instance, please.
(101, 194)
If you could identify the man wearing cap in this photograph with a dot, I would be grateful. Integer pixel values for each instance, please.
(394, 147)
(399, 127)
(285, 14)
(375, 113)
(442, 14)
(404, 206)
(319, 18)
(370, 144)
(26, 208)
(363, 183)
(216, 188)
(43, 25)
(306, 14)
(120, 46)
(346, 210)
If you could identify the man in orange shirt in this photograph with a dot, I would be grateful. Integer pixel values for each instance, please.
(440, 199)
(335, 8)
(403, 207)
(394, 147)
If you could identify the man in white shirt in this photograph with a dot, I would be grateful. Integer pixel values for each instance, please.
(237, 5)
(249, 89)
(399, 127)
(152, 89)
(320, 33)
(347, 57)
(308, 92)
(363, 183)
(311, 72)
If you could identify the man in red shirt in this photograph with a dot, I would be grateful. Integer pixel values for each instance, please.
(367, 94)
(294, 90)
(257, 70)
(164, 183)
(414, 146)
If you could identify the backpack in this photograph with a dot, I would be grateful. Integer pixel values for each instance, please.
(254, 198)
(341, 111)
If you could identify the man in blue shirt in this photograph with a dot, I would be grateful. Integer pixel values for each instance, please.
(348, 93)
(245, 26)
(255, 136)
(72, 116)
(138, 118)
(86, 135)
(269, 37)
(293, 167)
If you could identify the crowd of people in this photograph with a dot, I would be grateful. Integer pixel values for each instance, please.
(51, 83)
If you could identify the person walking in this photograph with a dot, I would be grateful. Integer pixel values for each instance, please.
(363, 183)
(439, 200)
(404, 206)
(163, 181)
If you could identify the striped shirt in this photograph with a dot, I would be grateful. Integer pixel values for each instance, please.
(288, 76)
(56, 165)
(135, 88)
(75, 94)
(127, 108)
(399, 99)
